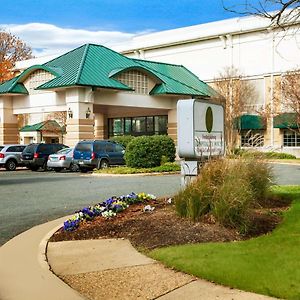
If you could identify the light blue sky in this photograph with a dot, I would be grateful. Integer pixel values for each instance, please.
(121, 15)
(54, 26)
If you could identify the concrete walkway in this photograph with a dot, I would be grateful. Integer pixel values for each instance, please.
(24, 272)
(98, 269)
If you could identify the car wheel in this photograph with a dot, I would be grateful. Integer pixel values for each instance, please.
(57, 169)
(10, 165)
(73, 167)
(104, 164)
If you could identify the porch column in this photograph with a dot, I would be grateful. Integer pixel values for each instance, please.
(80, 122)
(9, 133)
(172, 124)
(100, 126)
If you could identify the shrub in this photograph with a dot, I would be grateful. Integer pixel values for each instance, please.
(123, 139)
(167, 147)
(262, 155)
(149, 151)
(227, 189)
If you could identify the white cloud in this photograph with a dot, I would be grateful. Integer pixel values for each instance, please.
(48, 39)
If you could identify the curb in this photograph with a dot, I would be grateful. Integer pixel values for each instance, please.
(42, 254)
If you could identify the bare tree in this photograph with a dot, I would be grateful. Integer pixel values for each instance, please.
(61, 118)
(22, 120)
(279, 12)
(286, 99)
(290, 89)
(237, 93)
(12, 49)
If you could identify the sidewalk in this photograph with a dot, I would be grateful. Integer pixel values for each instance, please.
(98, 269)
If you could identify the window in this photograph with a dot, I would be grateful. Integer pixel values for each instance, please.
(252, 138)
(119, 148)
(12, 149)
(99, 147)
(291, 138)
(148, 125)
(109, 147)
(136, 80)
(84, 147)
(36, 79)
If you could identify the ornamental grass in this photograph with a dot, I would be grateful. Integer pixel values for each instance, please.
(227, 190)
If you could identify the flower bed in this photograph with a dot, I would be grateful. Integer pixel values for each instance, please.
(107, 209)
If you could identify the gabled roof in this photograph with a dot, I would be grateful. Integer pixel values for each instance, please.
(97, 66)
(45, 125)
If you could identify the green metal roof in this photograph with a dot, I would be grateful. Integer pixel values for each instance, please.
(286, 120)
(250, 122)
(40, 126)
(97, 66)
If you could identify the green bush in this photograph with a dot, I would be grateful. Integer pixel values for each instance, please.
(123, 139)
(261, 155)
(227, 189)
(149, 151)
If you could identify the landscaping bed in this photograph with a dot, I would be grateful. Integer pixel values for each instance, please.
(163, 227)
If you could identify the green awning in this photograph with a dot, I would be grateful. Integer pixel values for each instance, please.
(285, 120)
(249, 122)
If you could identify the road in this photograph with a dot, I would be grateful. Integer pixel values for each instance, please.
(30, 198)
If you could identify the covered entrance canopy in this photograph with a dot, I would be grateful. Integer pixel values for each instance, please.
(48, 131)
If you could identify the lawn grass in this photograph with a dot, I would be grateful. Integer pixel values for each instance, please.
(268, 265)
(165, 168)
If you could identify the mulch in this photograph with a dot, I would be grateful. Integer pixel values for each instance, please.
(163, 227)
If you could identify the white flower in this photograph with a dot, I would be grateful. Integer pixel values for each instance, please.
(149, 208)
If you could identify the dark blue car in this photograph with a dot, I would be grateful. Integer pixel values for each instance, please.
(98, 154)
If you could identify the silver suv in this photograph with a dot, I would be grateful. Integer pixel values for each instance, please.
(10, 156)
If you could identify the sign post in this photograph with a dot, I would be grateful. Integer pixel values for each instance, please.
(200, 135)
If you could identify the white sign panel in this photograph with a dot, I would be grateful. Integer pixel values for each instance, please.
(200, 127)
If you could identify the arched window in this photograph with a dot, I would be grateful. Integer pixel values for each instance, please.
(136, 80)
(36, 79)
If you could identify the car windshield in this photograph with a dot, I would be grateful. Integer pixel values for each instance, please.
(64, 151)
(1, 147)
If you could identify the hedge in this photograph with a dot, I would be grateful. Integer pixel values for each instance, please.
(149, 151)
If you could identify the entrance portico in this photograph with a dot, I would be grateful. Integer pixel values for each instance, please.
(100, 93)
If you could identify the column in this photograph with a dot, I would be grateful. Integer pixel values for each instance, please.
(9, 133)
(100, 126)
(80, 121)
(172, 124)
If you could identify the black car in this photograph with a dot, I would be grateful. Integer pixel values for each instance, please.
(98, 154)
(35, 156)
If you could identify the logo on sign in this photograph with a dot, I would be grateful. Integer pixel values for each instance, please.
(209, 119)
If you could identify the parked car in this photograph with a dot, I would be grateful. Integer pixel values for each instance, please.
(63, 159)
(10, 156)
(35, 156)
(98, 154)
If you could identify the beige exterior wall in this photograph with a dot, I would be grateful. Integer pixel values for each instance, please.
(79, 129)
(9, 133)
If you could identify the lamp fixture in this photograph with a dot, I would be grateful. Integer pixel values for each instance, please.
(88, 113)
(70, 113)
